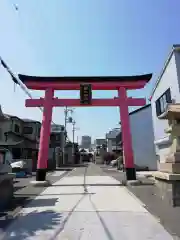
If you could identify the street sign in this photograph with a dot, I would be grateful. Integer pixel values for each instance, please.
(85, 94)
(57, 128)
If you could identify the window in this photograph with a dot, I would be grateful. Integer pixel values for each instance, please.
(0, 133)
(27, 130)
(58, 137)
(161, 103)
(38, 132)
(16, 128)
(2, 158)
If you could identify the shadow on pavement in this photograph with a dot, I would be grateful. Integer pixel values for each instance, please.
(44, 202)
(17, 188)
(16, 202)
(31, 224)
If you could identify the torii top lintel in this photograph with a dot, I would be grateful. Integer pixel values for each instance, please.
(97, 82)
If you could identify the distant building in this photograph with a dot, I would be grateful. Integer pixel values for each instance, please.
(111, 139)
(57, 136)
(86, 142)
(100, 141)
(20, 136)
(56, 144)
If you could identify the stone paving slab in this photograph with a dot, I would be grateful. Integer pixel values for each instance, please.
(101, 212)
(58, 173)
(88, 180)
(112, 226)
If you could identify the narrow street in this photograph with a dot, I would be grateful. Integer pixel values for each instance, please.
(85, 204)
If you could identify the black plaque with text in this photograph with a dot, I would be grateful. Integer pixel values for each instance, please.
(85, 94)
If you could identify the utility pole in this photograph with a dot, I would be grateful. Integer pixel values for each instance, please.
(73, 131)
(66, 120)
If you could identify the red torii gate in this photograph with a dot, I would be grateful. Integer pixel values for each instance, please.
(50, 84)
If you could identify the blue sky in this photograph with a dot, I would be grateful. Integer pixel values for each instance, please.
(84, 37)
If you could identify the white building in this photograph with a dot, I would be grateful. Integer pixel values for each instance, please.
(142, 137)
(166, 90)
(86, 142)
(111, 139)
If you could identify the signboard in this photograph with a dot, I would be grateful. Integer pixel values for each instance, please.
(85, 94)
(70, 119)
(57, 128)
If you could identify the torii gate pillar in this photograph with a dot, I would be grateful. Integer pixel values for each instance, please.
(126, 136)
(44, 136)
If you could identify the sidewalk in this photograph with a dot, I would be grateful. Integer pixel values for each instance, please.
(94, 207)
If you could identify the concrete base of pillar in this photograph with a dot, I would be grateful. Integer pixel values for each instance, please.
(134, 183)
(130, 174)
(41, 174)
(168, 187)
(40, 183)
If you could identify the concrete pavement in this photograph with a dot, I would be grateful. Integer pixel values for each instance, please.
(86, 206)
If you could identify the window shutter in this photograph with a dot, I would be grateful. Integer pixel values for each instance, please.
(168, 96)
(158, 108)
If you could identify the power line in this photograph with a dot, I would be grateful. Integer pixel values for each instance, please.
(17, 81)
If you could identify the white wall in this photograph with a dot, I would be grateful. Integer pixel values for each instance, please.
(86, 142)
(168, 80)
(109, 145)
(177, 59)
(143, 138)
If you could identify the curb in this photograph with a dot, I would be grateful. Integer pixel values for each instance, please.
(145, 206)
(136, 198)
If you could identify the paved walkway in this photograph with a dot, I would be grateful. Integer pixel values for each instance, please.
(91, 207)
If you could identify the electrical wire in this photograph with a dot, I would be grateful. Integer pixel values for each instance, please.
(17, 81)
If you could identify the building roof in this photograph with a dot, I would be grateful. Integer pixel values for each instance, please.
(30, 120)
(175, 47)
(8, 116)
(139, 109)
(85, 79)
